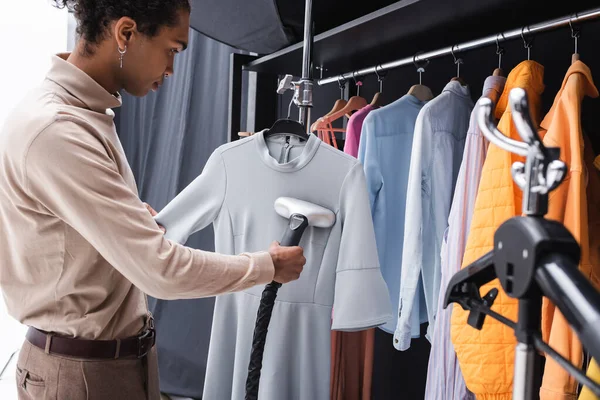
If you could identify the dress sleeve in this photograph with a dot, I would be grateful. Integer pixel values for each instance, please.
(361, 299)
(196, 206)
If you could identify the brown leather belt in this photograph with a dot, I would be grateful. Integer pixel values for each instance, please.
(137, 346)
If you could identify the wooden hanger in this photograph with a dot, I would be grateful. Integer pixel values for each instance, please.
(355, 103)
(498, 72)
(338, 105)
(421, 92)
(377, 100)
(323, 126)
(459, 80)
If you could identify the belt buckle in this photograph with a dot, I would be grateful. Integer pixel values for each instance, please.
(145, 338)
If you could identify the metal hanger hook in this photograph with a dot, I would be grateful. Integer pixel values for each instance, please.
(357, 82)
(457, 61)
(499, 50)
(380, 77)
(575, 32)
(527, 44)
(342, 84)
(420, 68)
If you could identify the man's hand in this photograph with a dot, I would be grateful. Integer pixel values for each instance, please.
(153, 213)
(288, 261)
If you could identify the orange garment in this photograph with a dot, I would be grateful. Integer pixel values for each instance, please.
(352, 364)
(486, 357)
(593, 201)
(568, 204)
(593, 372)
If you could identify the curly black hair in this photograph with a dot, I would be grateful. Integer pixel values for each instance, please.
(94, 16)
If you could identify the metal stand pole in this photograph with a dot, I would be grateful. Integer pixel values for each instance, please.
(528, 325)
(305, 86)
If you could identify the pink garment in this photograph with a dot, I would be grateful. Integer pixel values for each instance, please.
(353, 129)
(352, 352)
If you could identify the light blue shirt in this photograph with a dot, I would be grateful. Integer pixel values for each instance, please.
(384, 151)
(437, 151)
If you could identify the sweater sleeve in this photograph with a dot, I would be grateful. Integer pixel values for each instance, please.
(70, 173)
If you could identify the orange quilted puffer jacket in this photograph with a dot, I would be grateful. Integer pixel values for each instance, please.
(568, 204)
(486, 357)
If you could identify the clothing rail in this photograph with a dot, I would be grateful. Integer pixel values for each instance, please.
(488, 40)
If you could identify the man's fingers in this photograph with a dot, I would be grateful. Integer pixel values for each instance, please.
(153, 212)
(150, 209)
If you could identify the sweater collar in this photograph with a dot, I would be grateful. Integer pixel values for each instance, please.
(81, 85)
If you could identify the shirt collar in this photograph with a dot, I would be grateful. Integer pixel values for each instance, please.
(585, 87)
(493, 86)
(578, 67)
(81, 85)
(458, 89)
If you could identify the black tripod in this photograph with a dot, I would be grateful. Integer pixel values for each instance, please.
(532, 257)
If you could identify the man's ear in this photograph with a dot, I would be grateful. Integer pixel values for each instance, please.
(125, 30)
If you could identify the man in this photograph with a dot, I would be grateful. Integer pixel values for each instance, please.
(79, 248)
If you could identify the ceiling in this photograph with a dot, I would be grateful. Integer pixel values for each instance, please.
(356, 37)
(265, 26)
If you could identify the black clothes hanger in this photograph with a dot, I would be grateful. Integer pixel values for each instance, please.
(287, 126)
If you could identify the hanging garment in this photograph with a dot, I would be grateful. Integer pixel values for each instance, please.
(352, 364)
(444, 377)
(568, 204)
(354, 129)
(341, 272)
(385, 148)
(486, 357)
(437, 150)
(593, 373)
(593, 200)
(352, 352)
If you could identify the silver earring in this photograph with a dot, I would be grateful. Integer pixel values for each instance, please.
(121, 54)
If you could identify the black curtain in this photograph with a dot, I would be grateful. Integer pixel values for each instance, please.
(168, 137)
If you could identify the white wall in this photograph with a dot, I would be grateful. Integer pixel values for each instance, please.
(30, 32)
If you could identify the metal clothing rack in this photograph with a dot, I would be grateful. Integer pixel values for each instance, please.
(303, 88)
(470, 45)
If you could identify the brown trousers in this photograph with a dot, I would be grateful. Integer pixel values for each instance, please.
(42, 376)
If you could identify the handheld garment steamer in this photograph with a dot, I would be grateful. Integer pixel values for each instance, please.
(300, 214)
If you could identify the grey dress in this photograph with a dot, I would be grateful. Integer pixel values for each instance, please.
(341, 287)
